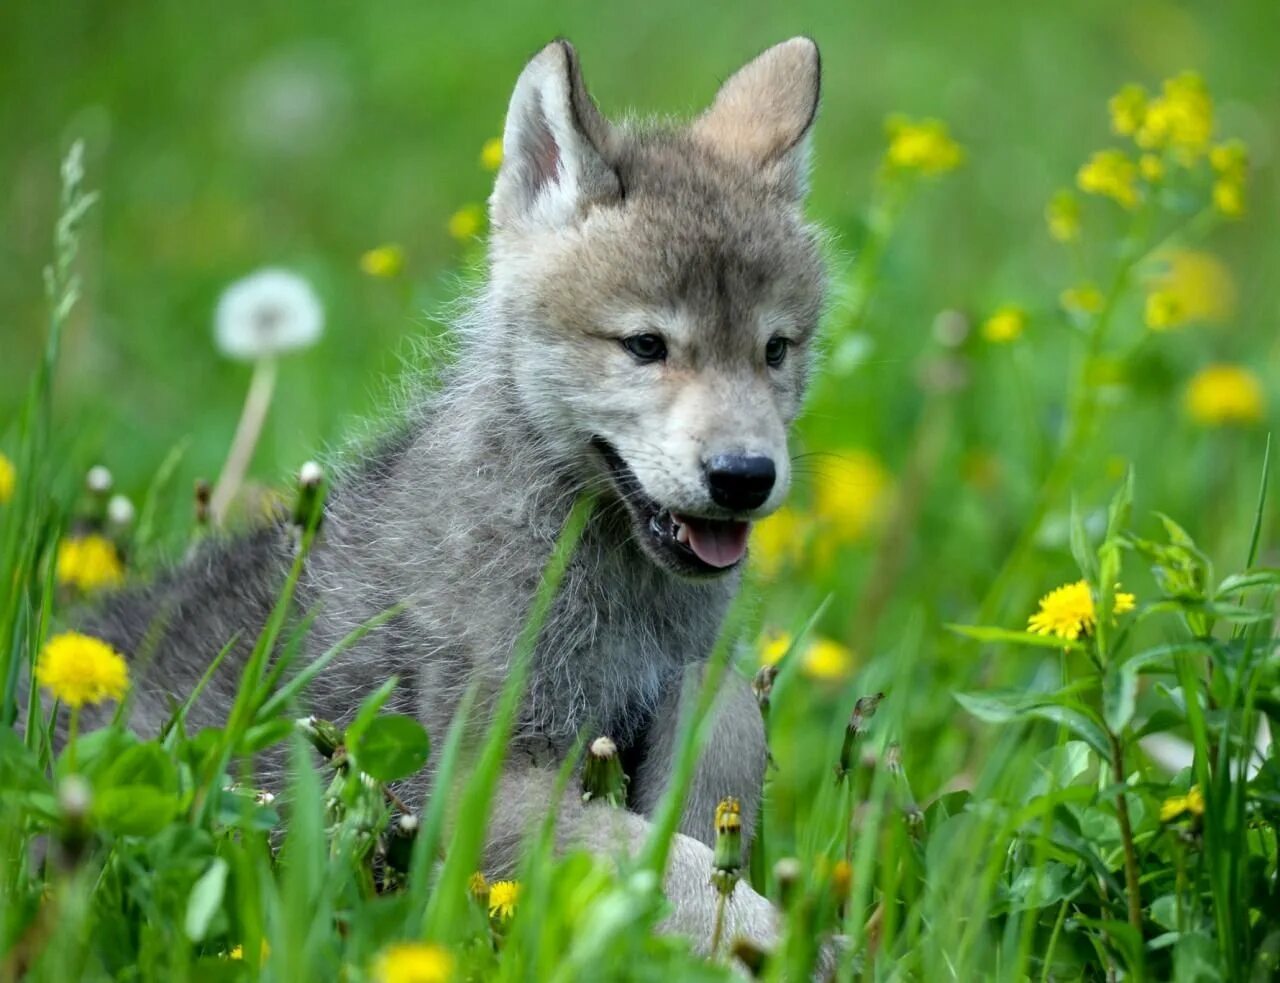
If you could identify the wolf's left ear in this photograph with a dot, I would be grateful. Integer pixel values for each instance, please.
(552, 148)
(763, 115)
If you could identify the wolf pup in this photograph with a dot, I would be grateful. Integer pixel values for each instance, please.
(645, 332)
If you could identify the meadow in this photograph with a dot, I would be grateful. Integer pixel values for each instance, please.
(1013, 635)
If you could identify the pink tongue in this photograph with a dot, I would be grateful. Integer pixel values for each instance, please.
(716, 543)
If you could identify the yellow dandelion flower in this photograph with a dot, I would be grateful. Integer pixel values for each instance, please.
(503, 896)
(465, 224)
(1163, 311)
(921, 146)
(491, 154)
(1127, 108)
(1199, 283)
(850, 494)
(773, 646)
(383, 261)
(1062, 215)
(778, 542)
(1068, 611)
(1176, 805)
(1005, 325)
(238, 952)
(79, 669)
(89, 563)
(414, 962)
(8, 479)
(1111, 174)
(1151, 168)
(827, 660)
(1219, 395)
(1228, 198)
(1084, 298)
(1180, 118)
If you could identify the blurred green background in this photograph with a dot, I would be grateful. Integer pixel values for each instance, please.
(230, 137)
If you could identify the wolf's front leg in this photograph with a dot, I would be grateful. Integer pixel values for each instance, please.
(527, 793)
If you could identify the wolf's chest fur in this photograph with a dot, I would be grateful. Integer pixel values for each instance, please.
(456, 522)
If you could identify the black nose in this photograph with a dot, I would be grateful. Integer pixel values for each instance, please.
(740, 481)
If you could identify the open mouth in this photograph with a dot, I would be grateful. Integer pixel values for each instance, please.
(693, 545)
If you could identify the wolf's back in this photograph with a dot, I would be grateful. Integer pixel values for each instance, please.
(172, 628)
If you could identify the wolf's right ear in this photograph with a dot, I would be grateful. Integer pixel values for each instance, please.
(763, 114)
(552, 147)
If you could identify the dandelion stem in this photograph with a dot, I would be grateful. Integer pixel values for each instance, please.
(73, 728)
(256, 404)
(717, 929)
(1126, 836)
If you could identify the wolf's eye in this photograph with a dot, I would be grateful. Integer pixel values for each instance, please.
(646, 347)
(775, 350)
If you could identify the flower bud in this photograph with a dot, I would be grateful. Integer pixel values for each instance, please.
(308, 506)
(323, 735)
(727, 857)
(863, 711)
(602, 776)
(787, 872)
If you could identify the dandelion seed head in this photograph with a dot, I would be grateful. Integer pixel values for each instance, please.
(98, 480)
(267, 313)
(120, 511)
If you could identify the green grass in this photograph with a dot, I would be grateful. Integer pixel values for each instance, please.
(981, 815)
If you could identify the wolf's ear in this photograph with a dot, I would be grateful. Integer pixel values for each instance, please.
(763, 115)
(552, 147)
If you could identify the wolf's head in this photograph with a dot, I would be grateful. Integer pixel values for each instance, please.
(659, 290)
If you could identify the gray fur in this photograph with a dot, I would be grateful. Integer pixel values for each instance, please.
(599, 229)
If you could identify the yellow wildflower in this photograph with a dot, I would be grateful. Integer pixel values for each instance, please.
(1163, 311)
(1111, 174)
(1199, 283)
(1230, 160)
(821, 659)
(1068, 611)
(1225, 394)
(238, 952)
(1128, 107)
(1176, 805)
(850, 493)
(827, 660)
(1152, 168)
(79, 669)
(503, 896)
(1180, 118)
(491, 154)
(1005, 325)
(778, 541)
(383, 261)
(773, 646)
(8, 478)
(89, 563)
(922, 146)
(1062, 215)
(1084, 298)
(414, 962)
(465, 224)
(1228, 198)
(477, 886)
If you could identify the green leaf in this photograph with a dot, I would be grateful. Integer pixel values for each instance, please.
(142, 764)
(987, 634)
(391, 747)
(1120, 509)
(1261, 577)
(369, 708)
(1002, 708)
(1081, 550)
(1119, 695)
(134, 810)
(19, 769)
(205, 900)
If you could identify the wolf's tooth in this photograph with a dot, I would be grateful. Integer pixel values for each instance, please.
(682, 534)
